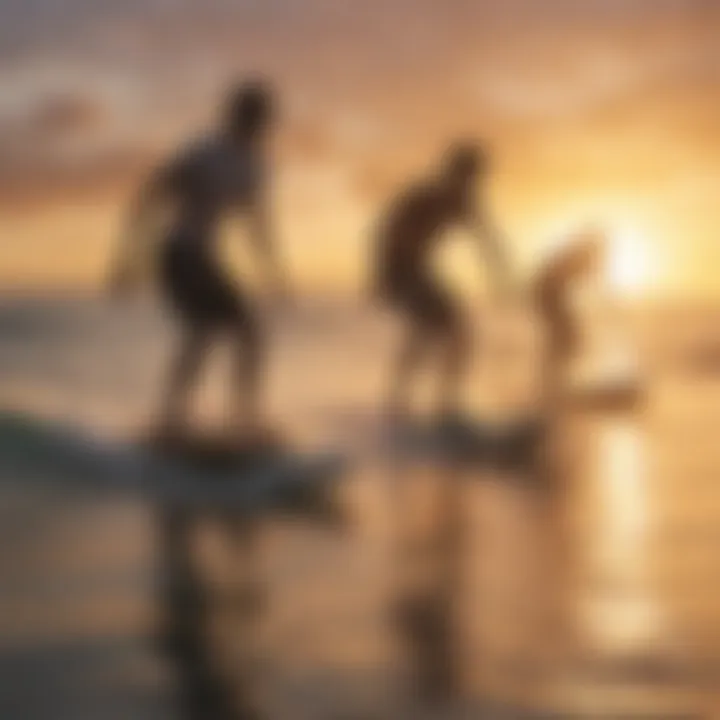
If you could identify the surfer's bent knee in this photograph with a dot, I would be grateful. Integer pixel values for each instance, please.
(248, 330)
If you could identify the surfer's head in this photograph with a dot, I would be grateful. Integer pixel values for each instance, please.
(579, 257)
(585, 252)
(462, 166)
(463, 162)
(250, 108)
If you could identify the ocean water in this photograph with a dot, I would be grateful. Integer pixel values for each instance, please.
(598, 600)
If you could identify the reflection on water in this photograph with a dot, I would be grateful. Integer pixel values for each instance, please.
(621, 614)
(637, 566)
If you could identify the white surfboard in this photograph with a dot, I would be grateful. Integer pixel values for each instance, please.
(56, 454)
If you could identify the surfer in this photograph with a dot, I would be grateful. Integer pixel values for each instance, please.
(224, 173)
(408, 234)
(551, 293)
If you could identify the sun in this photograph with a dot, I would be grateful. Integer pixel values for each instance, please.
(631, 256)
(629, 264)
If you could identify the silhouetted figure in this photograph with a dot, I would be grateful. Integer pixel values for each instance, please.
(224, 173)
(552, 295)
(561, 455)
(408, 234)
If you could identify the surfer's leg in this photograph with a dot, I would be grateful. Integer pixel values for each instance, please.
(185, 274)
(455, 353)
(406, 366)
(218, 304)
(249, 367)
(561, 345)
(182, 375)
(455, 364)
(405, 294)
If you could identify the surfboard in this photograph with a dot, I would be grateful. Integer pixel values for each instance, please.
(466, 441)
(205, 476)
(623, 395)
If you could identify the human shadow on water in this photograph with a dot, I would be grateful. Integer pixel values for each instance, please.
(207, 689)
(37, 454)
(424, 611)
(506, 489)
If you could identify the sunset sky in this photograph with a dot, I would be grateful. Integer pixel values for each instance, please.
(597, 111)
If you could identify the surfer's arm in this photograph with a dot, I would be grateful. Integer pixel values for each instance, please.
(263, 237)
(492, 243)
(133, 243)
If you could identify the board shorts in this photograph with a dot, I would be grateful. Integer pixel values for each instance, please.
(196, 288)
(423, 299)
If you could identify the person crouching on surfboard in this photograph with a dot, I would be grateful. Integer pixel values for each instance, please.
(222, 174)
(551, 289)
(403, 279)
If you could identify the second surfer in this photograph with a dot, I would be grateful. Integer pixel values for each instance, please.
(403, 279)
